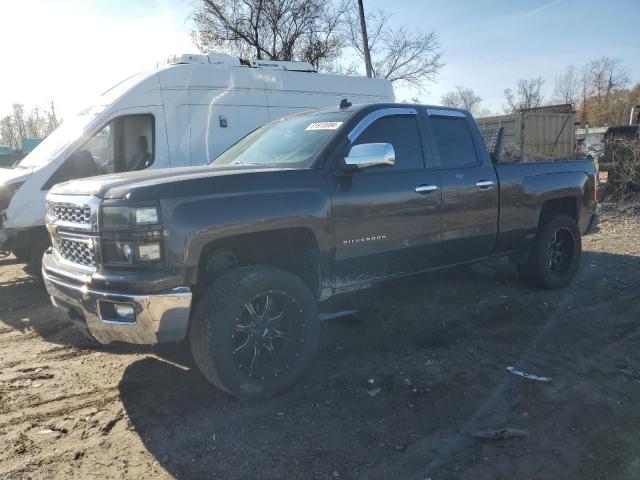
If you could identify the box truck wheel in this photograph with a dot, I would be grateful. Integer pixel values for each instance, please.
(255, 331)
(34, 261)
(21, 253)
(554, 255)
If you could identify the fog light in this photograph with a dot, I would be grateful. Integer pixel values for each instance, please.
(116, 312)
(124, 311)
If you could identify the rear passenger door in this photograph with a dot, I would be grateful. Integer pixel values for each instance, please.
(469, 189)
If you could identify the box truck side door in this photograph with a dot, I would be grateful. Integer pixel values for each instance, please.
(178, 127)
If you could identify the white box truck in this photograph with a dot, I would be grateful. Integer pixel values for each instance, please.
(186, 112)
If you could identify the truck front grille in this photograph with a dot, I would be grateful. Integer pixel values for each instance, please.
(70, 213)
(72, 223)
(76, 251)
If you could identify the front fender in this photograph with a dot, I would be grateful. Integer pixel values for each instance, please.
(197, 222)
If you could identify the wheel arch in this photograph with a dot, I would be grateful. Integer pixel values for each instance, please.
(293, 249)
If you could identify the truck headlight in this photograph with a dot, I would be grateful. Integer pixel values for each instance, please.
(145, 215)
(130, 235)
(123, 217)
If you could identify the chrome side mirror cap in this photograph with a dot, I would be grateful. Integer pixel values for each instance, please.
(368, 155)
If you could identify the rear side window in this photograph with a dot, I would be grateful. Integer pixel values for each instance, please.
(454, 142)
(401, 132)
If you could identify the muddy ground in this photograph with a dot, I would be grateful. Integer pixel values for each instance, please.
(437, 347)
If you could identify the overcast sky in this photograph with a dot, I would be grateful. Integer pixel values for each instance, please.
(71, 50)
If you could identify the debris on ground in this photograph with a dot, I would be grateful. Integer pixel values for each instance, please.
(108, 426)
(328, 316)
(500, 434)
(528, 376)
(374, 391)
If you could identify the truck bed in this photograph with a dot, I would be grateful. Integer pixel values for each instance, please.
(525, 187)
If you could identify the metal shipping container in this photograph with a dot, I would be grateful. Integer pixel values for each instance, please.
(534, 135)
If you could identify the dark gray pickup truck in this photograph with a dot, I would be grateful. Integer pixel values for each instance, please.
(236, 255)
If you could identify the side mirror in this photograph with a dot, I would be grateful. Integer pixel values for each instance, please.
(370, 155)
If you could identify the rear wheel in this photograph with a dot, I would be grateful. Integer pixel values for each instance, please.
(254, 331)
(555, 254)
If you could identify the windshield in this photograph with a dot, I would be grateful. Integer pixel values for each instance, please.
(71, 129)
(61, 138)
(291, 141)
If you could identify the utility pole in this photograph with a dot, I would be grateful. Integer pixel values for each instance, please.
(365, 39)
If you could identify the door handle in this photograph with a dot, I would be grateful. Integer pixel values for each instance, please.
(484, 184)
(426, 188)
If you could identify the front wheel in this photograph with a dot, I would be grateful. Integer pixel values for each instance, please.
(254, 331)
(554, 255)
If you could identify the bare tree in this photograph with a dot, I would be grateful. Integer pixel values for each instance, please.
(528, 94)
(399, 53)
(35, 124)
(19, 122)
(53, 121)
(17, 126)
(462, 97)
(271, 29)
(7, 133)
(585, 92)
(567, 86)
(605, 77)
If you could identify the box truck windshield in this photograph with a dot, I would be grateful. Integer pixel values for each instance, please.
(69, 131)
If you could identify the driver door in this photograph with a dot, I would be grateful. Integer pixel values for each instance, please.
(387, 218)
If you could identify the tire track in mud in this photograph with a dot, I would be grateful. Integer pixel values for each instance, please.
(64, 404)
(66, 449)
(70, 353)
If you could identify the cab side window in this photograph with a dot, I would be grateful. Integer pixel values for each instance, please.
(402, 132)
(454, 142)
(135, 137)
(124, 145)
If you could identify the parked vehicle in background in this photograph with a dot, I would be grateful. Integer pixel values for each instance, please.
(619, 157)
(184, 113)
(534, 134)
(237, 254)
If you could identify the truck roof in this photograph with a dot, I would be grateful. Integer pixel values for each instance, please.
(374, 106)
(217, 58)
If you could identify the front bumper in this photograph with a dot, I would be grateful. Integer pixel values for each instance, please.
(159, 317)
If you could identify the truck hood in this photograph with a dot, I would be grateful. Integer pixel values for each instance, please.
(9, 176)
(120, 184)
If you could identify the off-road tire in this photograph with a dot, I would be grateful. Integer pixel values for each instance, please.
(216, 316)
(537, 272)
